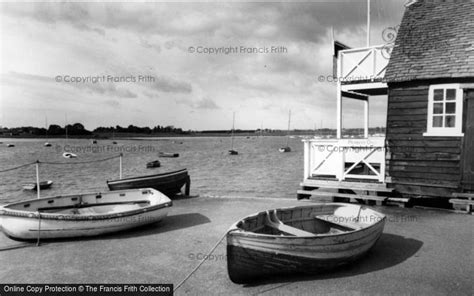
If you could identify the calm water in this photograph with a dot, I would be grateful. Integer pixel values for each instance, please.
(258, 171)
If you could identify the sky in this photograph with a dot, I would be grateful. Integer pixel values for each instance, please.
(186, 64)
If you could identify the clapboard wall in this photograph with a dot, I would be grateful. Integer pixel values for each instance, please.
(418, 166)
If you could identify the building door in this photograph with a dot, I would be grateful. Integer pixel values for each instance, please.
(468, 149)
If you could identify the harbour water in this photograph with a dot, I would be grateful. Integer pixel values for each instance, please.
(258, 171)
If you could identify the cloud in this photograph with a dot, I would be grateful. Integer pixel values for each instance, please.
(205, 103)
(167, 84)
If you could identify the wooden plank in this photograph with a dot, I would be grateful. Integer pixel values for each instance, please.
(408, 104)
(345, 195)
(454, 178)
(438, 142)
(381, 187)
(426, 156)
(461, 201)
(454, 170)
(463, 195)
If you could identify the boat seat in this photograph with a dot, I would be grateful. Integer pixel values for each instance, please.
(86, 205)
(273, 221)
(336, 221)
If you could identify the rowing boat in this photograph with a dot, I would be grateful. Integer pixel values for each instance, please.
(302, 239)
(168, 183)
(153, 164)
(83, 215)
(168, 154)
(34, 186)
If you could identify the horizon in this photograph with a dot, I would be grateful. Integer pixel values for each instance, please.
(189, 65)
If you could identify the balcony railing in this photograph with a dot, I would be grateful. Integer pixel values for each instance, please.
(345, 159)
(363, 64)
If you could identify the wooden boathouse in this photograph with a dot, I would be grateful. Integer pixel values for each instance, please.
(428, 80)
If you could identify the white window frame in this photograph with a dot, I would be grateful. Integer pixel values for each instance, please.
(455, 131)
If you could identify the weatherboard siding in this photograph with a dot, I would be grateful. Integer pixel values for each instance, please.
(418, 165)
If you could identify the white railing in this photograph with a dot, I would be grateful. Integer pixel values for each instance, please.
(363, 64)
(345, 159)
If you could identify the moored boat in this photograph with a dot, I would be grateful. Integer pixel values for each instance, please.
(168, 183)
(69, 155)
(302, 239)
(168, 154)
(285, 149)
(153, 164)
(34, 186)
(83, 215)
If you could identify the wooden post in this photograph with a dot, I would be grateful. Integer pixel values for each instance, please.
(37, 180)
(366, 118)
(307, 159)
(187, 187)
(120, 166)
(339, 96)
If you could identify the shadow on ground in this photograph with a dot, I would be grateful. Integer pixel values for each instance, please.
(389, 251)
(169, 223)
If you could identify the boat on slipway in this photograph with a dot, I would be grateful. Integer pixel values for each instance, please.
(83, 215)
(302, 239)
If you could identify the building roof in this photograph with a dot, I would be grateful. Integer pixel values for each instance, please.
(435, 40)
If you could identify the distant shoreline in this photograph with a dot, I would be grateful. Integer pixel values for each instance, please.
(107, 136)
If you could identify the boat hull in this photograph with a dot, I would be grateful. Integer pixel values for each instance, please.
(167, 183)
(31, 225)
(251, 256)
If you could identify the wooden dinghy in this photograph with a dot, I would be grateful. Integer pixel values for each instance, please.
(303, 239)
(83, 215)
(34, 186)
(168, 183)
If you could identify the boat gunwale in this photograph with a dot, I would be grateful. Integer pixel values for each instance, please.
(166, 174)
(5, 211)
(234, 230)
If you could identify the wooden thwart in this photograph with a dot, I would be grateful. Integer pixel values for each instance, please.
(86, 205)
(331, 219)
(273, 221)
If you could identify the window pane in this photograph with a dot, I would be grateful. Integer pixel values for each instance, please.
(450, 94)
(450, 121)
(438, 95)
(438, 108)
(450, 108)
(437, 121)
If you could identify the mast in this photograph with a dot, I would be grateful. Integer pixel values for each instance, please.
(232, 137)
(288, 130)
(368, 23)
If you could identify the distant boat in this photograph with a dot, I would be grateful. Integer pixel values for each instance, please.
(10, 145)
(83, 215)
(69, 155)
(114, 142)
(301, 239)
(169, 183)
(153, 164)
(94, 141)
(287, 147)
(33, 185)
(167, 154)
(47, 144)
(232, 151)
